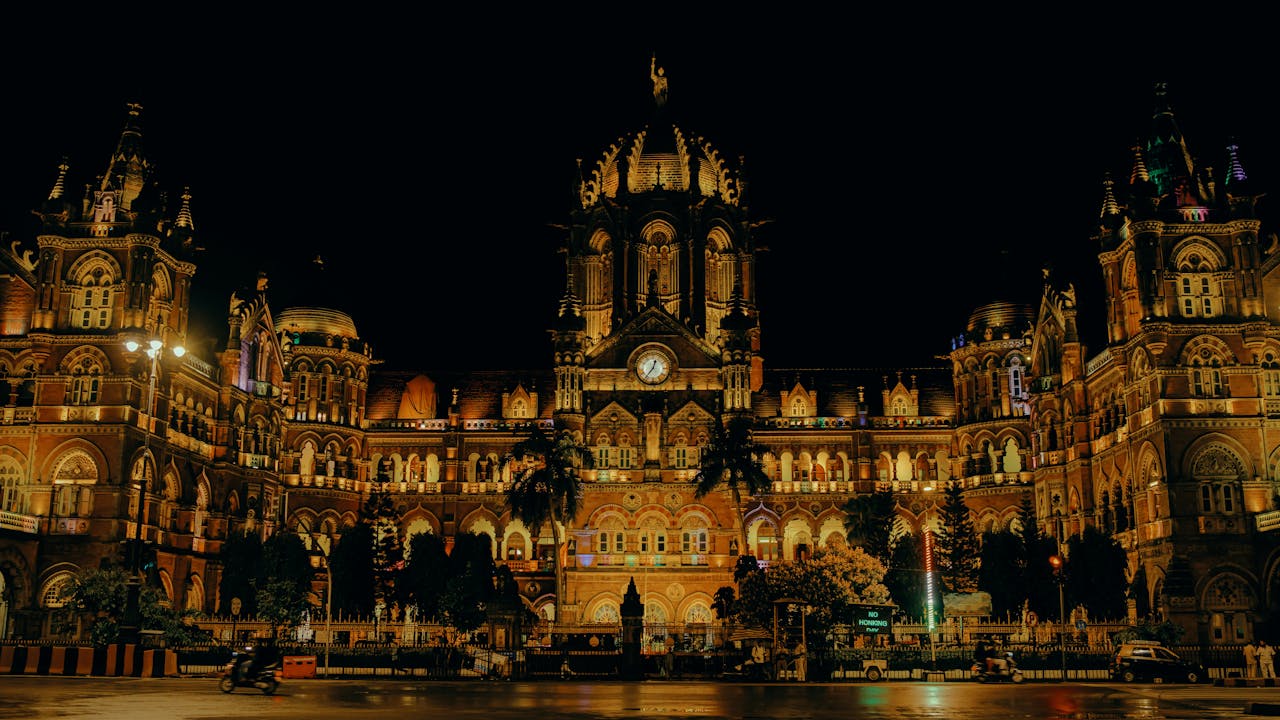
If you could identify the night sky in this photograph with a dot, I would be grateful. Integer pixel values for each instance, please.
(430, 176)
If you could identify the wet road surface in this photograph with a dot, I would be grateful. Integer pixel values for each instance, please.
(33, 698)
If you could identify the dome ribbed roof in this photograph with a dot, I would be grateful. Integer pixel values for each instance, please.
(661, 158)
(317, 320)
(999, 315)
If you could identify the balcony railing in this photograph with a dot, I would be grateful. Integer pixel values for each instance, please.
(21, 523)
(1268, 521)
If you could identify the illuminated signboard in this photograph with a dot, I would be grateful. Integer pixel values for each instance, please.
(872, 619)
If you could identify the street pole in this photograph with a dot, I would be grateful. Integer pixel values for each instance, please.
(1062, 641)
(1060, 578)
(131, 627)
(328, 612)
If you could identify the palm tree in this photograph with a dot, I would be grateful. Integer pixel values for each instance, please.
(547, 487)
(732, 459)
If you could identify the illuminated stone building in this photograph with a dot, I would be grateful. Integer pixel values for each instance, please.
(294, 420)
(1167, 437)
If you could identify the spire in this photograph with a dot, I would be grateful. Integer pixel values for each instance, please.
(1139, 172)
(128, 170)
(1235, 171)
(182, 232)
(1239, 192)
(184, 212)
(569, 303)
(59, 185)
(1110, 208)
(1168, 159)
(570, 317)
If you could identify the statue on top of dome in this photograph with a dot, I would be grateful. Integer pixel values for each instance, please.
(659, 78)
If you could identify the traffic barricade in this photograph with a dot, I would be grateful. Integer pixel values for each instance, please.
(299, 666)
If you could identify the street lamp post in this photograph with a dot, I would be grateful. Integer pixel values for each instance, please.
(1060, 579)
(131, 628)
(328, 603)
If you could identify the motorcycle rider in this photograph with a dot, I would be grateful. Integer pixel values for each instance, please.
(982, 655)
(255, 659)
(243, 664)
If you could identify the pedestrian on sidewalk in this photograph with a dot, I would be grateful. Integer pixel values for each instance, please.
(1250, 660)
(1266, 660)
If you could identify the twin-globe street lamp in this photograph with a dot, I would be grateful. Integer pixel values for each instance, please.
(131, 628)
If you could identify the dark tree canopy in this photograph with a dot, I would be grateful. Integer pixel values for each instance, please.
(869, 523)
(351, 560)
(905, 577)
(425, 575)
(1000, 573)
(1096, 574)
(241, 555)
(957, 545)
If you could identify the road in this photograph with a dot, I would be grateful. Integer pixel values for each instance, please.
(69, 698)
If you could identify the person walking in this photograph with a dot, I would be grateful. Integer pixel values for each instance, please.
(802, 662)
(1250, 652)
(1266, 660)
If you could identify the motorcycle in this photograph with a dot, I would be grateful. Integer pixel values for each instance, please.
(1001, 670)
(266, 679)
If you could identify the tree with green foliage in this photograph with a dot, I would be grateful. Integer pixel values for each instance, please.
(547, 487)
(723, 601)
(1096, 568)
(99, 594)
(732, 459)
(956, 547)
(1164, 631)
(905, 577)
(380, 514)
(869, 521)
(283, 584)
(426, 573)
(831, 581)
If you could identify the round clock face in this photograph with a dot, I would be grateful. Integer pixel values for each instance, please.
(653, 366)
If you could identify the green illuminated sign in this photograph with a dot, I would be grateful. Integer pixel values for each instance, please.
(872, 619)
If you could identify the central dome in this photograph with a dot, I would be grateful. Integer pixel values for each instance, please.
(661, 158)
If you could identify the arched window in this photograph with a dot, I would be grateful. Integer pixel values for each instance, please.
(766, 542)
(1270, 375)
(653, 536)
(515, 547)
(606, 613)
(52, 594)
(610, 537)
(10, 482)
(697, 614)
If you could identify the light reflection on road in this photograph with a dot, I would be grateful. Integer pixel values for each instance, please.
(33, 698)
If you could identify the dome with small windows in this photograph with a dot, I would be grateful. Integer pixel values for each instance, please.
(660, 158)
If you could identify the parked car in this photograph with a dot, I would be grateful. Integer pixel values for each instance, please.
(1149, 660)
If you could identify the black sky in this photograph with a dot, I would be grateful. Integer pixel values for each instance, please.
(901, 191)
